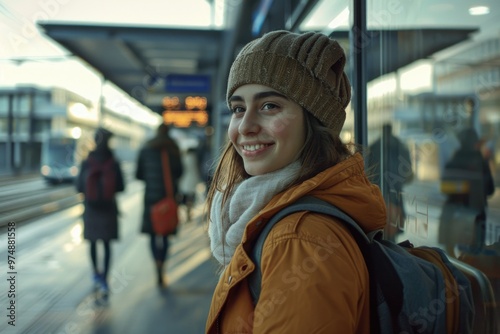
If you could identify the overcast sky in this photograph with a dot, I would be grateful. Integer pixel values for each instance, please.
(27, 56)
(19, 36)
(38, 59)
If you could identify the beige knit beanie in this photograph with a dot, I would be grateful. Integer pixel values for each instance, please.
(308, 68)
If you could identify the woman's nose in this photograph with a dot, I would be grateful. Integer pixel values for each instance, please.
(250, 123)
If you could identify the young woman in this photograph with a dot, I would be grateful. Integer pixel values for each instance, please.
(100, 217)
(150, 170)
(288, 93)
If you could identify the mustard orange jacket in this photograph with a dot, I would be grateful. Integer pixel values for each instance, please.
(314, 279)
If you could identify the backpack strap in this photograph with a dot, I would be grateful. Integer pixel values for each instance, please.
(167, 175)
(311, 204)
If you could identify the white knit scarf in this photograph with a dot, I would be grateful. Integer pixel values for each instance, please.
(248, 198)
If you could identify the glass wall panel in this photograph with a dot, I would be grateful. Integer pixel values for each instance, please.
(4, 127)
(22, 105)
(41, 126)
(4, 105)
(433, 123)
(21, 125)
(435, 84)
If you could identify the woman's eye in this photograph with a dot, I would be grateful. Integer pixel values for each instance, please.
(269, 106)
(237, 109)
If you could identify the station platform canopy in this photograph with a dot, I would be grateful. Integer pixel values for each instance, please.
(145, 62)
(386, 51)
(140, 60)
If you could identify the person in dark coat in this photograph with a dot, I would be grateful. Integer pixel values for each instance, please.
(149, 169)
(390, 167)
(100, 219)
(470, 170)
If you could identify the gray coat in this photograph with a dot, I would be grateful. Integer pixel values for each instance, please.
(100, 223)
(149, 169)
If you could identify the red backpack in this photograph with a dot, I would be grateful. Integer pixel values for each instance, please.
(100, 183)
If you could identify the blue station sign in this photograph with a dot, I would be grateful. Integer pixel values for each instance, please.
(185, 83)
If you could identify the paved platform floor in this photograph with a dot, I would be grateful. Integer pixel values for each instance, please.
(53, 281)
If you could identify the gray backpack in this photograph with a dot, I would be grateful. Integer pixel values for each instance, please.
(411, 288)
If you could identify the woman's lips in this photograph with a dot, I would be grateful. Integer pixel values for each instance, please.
(252, 150)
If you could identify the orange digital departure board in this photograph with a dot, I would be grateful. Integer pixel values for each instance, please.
(194, 112)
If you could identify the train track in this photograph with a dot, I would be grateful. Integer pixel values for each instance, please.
(7, 180)
(26, 198)
(25, 206)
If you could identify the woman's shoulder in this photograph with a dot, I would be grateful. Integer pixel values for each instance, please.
(303, 237)
(312, 228)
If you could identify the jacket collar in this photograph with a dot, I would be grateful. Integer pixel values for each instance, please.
(344, 185)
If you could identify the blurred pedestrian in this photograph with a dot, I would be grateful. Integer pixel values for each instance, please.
(99, 179)
(150, 170)
(206, 160)
(287, 94)
(390, 168)
(467, 182)
(189, 180)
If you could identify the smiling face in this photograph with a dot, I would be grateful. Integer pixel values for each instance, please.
(266, 129)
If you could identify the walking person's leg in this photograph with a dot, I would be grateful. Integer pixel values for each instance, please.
(156, 251)
(189, 205)
(107, 260)
(159, 249)
(480, 228)
(95, 267)
(162, 252)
